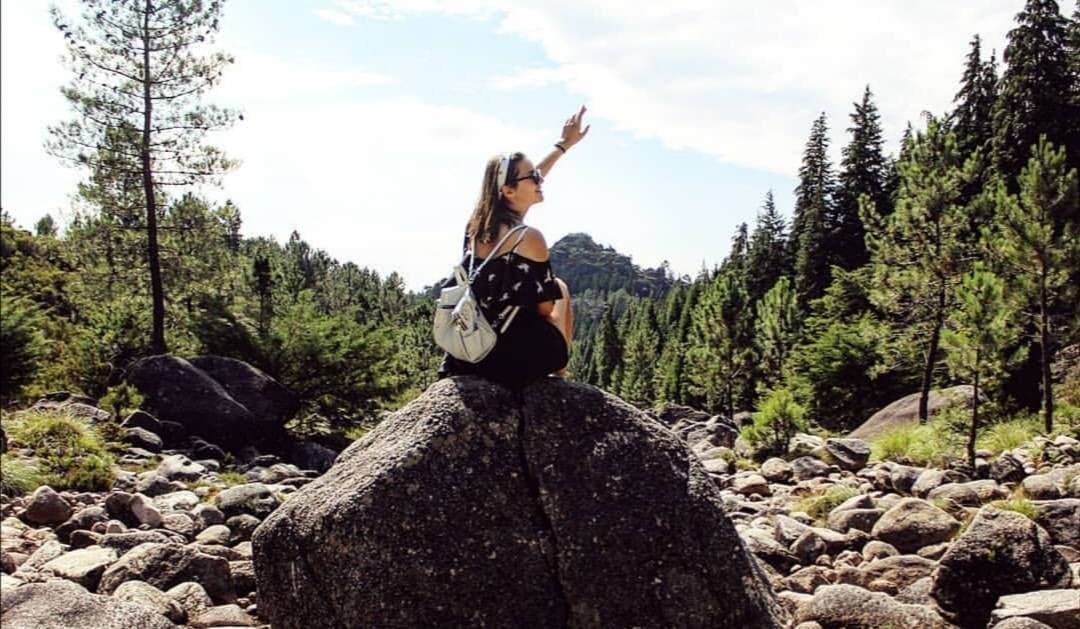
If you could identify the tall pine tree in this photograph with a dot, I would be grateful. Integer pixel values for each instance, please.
(863, 171)
(813, 216)
(972, 119)
(1036, 91)
(767, 260)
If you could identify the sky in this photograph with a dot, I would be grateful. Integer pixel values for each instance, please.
(367, 124)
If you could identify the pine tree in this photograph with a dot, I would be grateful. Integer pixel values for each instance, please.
(718, 356)
(140, 71)
(607, 352)
(813, 216)
(976, 337)
(777, 330)
(863, 171)
(767, 260)
(640, 352)
(918, 253)
(1036, 91)
(972, 120)
(1037, 242)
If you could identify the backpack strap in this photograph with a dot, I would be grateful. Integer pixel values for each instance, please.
(472, 252)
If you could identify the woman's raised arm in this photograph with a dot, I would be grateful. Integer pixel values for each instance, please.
(572, 133)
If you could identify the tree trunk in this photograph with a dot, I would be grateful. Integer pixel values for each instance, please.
(157, 294)
(928, 366)
(974, 419)
(1047, 356)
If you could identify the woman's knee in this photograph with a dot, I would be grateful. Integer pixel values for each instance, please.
(563, 287)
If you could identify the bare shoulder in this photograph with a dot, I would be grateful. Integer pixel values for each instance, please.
(533, 246)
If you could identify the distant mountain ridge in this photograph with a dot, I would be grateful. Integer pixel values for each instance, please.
(585, 264)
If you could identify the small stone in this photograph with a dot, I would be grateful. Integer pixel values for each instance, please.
(46, 507)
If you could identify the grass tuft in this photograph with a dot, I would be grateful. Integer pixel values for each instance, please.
(818, 506)
(72, 453)
(18, 477)
(933, 443)
(1010, 434)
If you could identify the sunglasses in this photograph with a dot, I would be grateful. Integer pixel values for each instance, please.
(535, 175)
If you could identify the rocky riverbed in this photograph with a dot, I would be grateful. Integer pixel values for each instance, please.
(840, 541)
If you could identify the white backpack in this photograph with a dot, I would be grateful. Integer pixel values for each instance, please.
(460, 327)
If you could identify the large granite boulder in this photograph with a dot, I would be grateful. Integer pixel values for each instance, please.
(905, 411)
(469, 507)
(177, 391)
(268, 400)
(65, 605)
(1002, 552)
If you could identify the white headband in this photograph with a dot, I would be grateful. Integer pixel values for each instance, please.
(504, 168)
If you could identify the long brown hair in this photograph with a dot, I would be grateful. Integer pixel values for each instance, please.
(491, 210)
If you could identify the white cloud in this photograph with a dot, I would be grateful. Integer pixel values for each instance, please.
(741, 81)
(340, 18)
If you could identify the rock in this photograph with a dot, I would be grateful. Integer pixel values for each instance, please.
(179, 467)
(716, 466)
(223, 616)
(776, 470)
(808, 467)
(204, 450)
(803, 444)
(46, 507)
(180, 523)
(1061, 519)
(44, 554)
(808, 579)
(1021, 623)
(849, 454)
(270, 402)
(900, 570)
(243, 575)
(143, 438)
(853, 607)
(175, 390)
(809, 547)
(252, 498)
(153, 484)
(191, 596)
(844, 520)
(123, 542)
(878, 550)
(275, 473)
(1041, 487)
(931, 479)
(903, 477)
(750, 484)
(65, 605)
(84, 519)
(1006, 469)
(84, 566)
(214, 534)
(912, 524)
(144, 420)
(571, 477)
(242, 526)
(671, 414)
(1056, 608)
(207, 515)
(956, 494)
(145, 511)
(309, 455)
(905, 411)
(176, 501)
(917, 593)
(166, 565)
(1001, 552)
(148, 596)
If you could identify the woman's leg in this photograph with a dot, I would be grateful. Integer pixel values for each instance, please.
(563, 318)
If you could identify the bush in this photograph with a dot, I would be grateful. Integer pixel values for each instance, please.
(22, 346)
(819, 506)
(72, 454)
(776, 422)
(121, 400)
(933, 443)
(17, 477)
(1009, 434)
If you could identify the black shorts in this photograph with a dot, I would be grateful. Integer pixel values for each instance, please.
(530, 349)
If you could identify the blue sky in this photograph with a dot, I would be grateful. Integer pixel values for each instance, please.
(367, 124)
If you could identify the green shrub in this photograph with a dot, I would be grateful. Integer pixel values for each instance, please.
(121, 400)
(73, 454)
(819, 506)
(17, 477)
(1009, 434)
(933, 443)
(778, 419)
(232, 479)
(1019, 504)
(22, 346)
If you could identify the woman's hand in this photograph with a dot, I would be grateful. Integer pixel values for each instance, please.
(572, 133)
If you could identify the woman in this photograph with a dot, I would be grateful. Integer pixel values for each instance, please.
(537, 340)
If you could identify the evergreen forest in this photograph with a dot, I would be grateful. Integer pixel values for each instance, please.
(954, 261)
